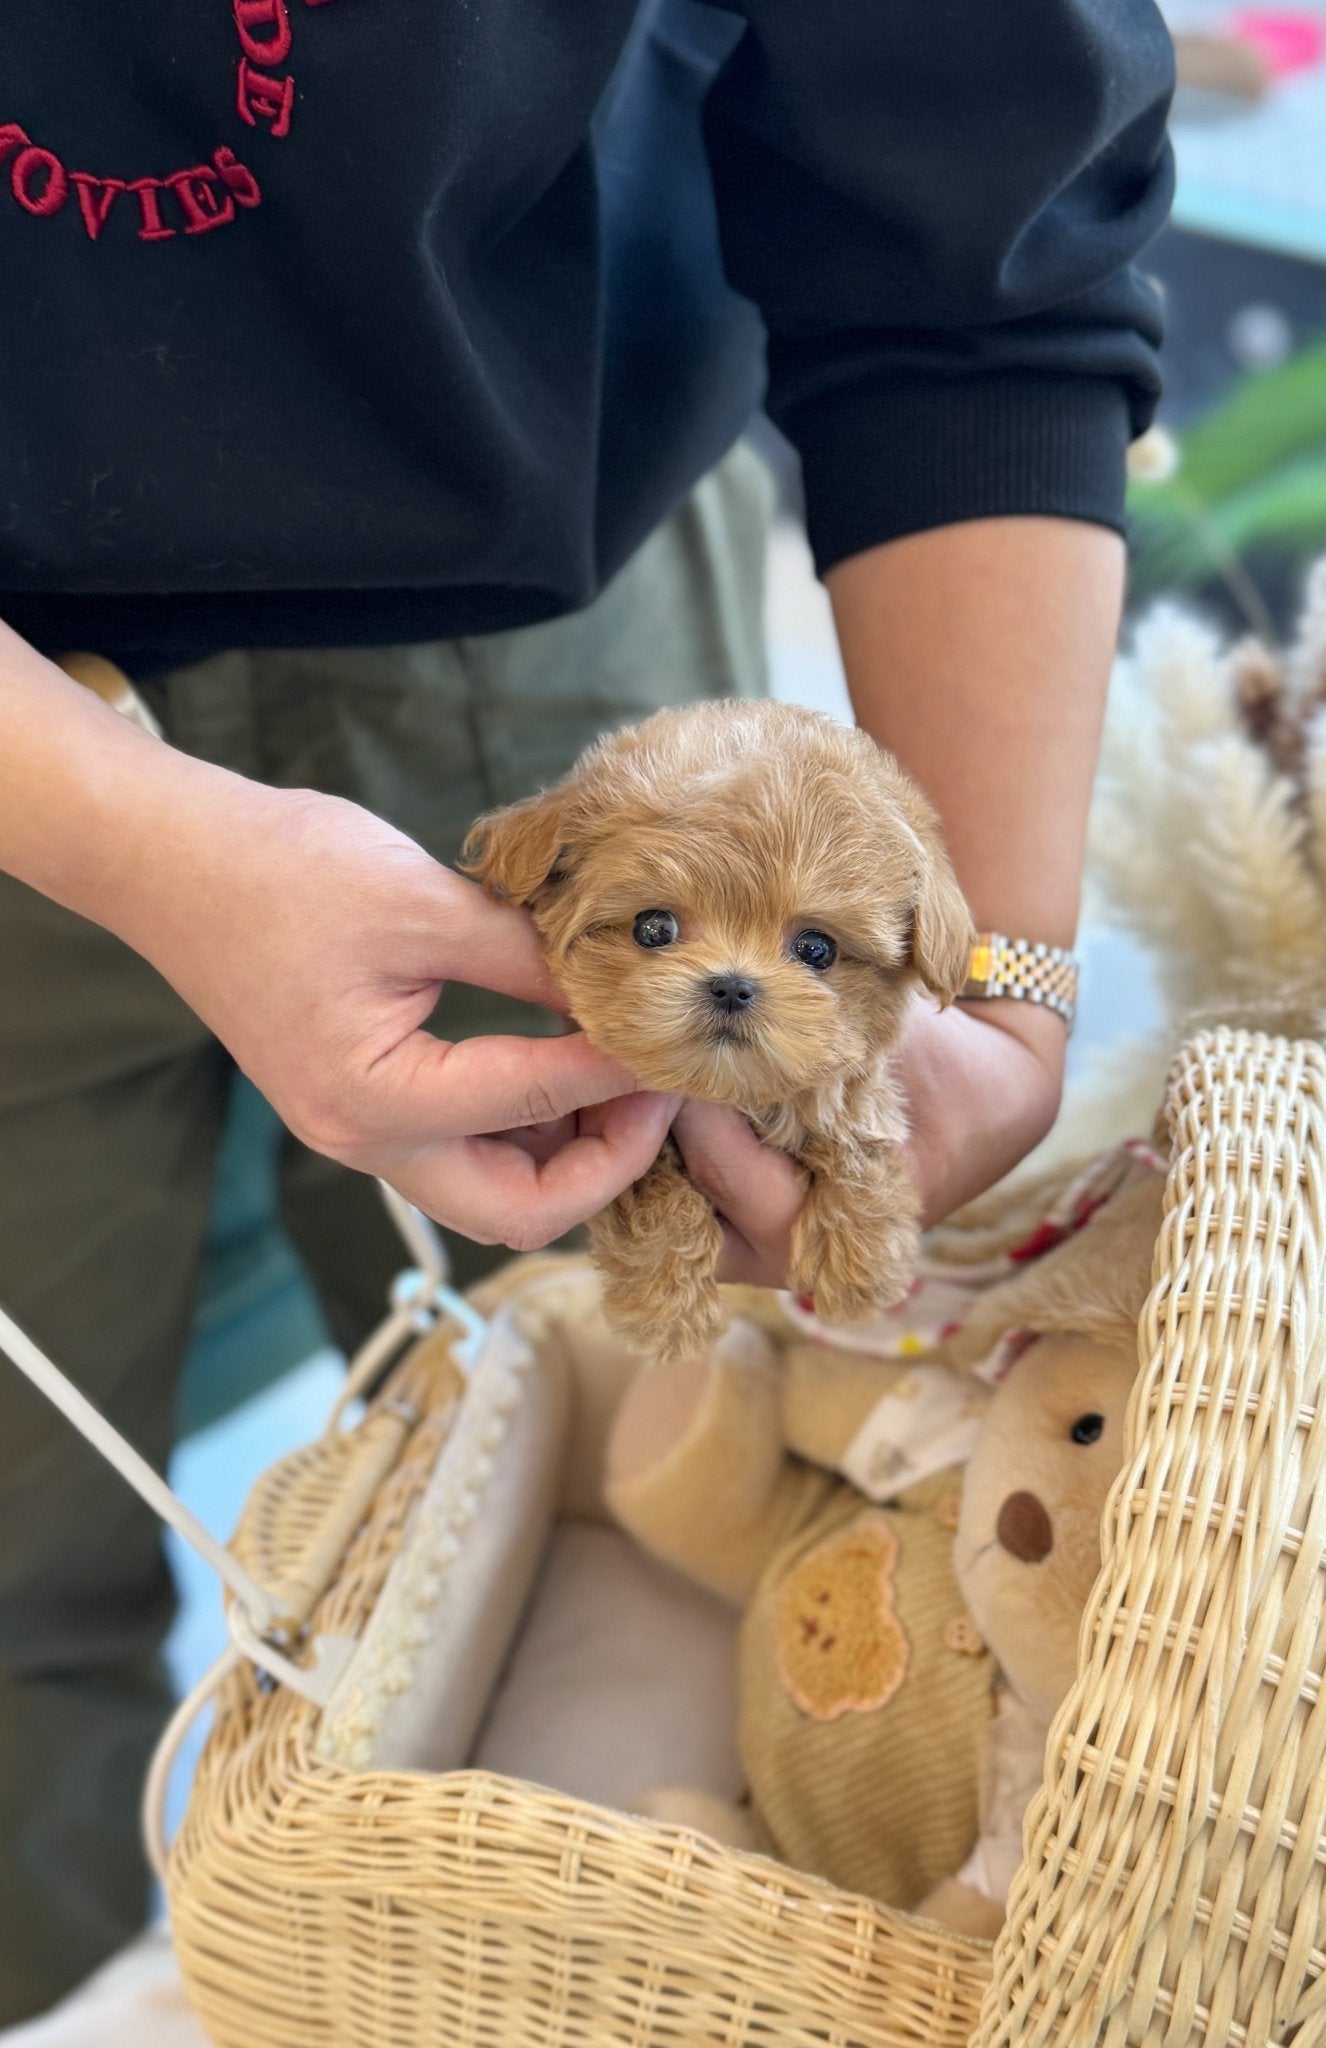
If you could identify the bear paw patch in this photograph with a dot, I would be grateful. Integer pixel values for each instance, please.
(840, 1645)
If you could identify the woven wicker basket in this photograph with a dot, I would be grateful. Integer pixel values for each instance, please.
(1172, 1887)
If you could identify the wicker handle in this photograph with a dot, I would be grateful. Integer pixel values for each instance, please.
(1172, 1890)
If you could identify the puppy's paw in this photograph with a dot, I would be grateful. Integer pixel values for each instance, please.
(849, 1267)
(692, 1317)
(893, 1259)
(841, 1301)
(656, 1248)
(671, 1311)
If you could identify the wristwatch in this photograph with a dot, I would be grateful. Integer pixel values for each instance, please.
(1025, 969)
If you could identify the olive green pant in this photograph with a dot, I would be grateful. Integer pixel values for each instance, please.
(112, 1100)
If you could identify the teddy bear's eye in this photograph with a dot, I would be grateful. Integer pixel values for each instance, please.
(655, 928)
(1088, 1429)
(815, 949)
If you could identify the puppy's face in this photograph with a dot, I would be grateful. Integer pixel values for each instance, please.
(735, 898)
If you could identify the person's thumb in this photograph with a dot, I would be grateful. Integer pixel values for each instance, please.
(491, 945)
(426, 1088)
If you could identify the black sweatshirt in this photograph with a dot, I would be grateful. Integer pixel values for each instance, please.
(341, 321)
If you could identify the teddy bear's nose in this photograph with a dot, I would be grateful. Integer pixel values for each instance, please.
(1024, 1528)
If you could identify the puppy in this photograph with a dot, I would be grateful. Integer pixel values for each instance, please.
(737, 900)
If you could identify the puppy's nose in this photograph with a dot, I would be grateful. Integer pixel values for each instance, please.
(732, 993)
(1025, 1529)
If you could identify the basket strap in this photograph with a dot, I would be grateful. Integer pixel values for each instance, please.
(420, 1298)
(152, 1806)
(257, 1602)
(258, 1617)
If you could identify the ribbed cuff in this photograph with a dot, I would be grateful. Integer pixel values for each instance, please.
(908, 453)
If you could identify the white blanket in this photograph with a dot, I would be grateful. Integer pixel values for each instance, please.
(135, 2000)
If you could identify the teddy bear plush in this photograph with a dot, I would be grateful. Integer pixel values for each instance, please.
(905, 1643)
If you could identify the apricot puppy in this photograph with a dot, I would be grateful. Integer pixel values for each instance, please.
(737, 899)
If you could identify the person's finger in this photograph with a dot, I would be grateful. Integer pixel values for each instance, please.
(426, 1088)
(493, 945)
(493, 1191)
(742, 1264)
(753, 1187)
(616, 1143)
(756, 1192)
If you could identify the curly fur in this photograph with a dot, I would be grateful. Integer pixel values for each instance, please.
(750, 822)
(1208, 843)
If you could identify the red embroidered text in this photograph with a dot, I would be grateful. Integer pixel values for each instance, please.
(192, 201)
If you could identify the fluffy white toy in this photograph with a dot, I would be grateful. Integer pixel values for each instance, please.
(1208, 845)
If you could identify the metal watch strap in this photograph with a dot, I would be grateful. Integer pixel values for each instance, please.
(1025, 969)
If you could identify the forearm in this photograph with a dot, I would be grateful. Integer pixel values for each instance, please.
(979, 655)
(87, 800)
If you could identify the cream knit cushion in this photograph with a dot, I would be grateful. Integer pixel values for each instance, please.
(623, 1678)
(420, 1681)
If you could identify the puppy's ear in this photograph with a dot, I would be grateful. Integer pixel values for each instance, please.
(516, 852)
(942, 932)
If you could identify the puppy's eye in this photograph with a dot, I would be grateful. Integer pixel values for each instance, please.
(1088, 1429)
(655, 928)
(815, 949)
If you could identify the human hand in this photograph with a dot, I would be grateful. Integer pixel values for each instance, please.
(983, 1083)
(315, 940)
(982, 1086)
